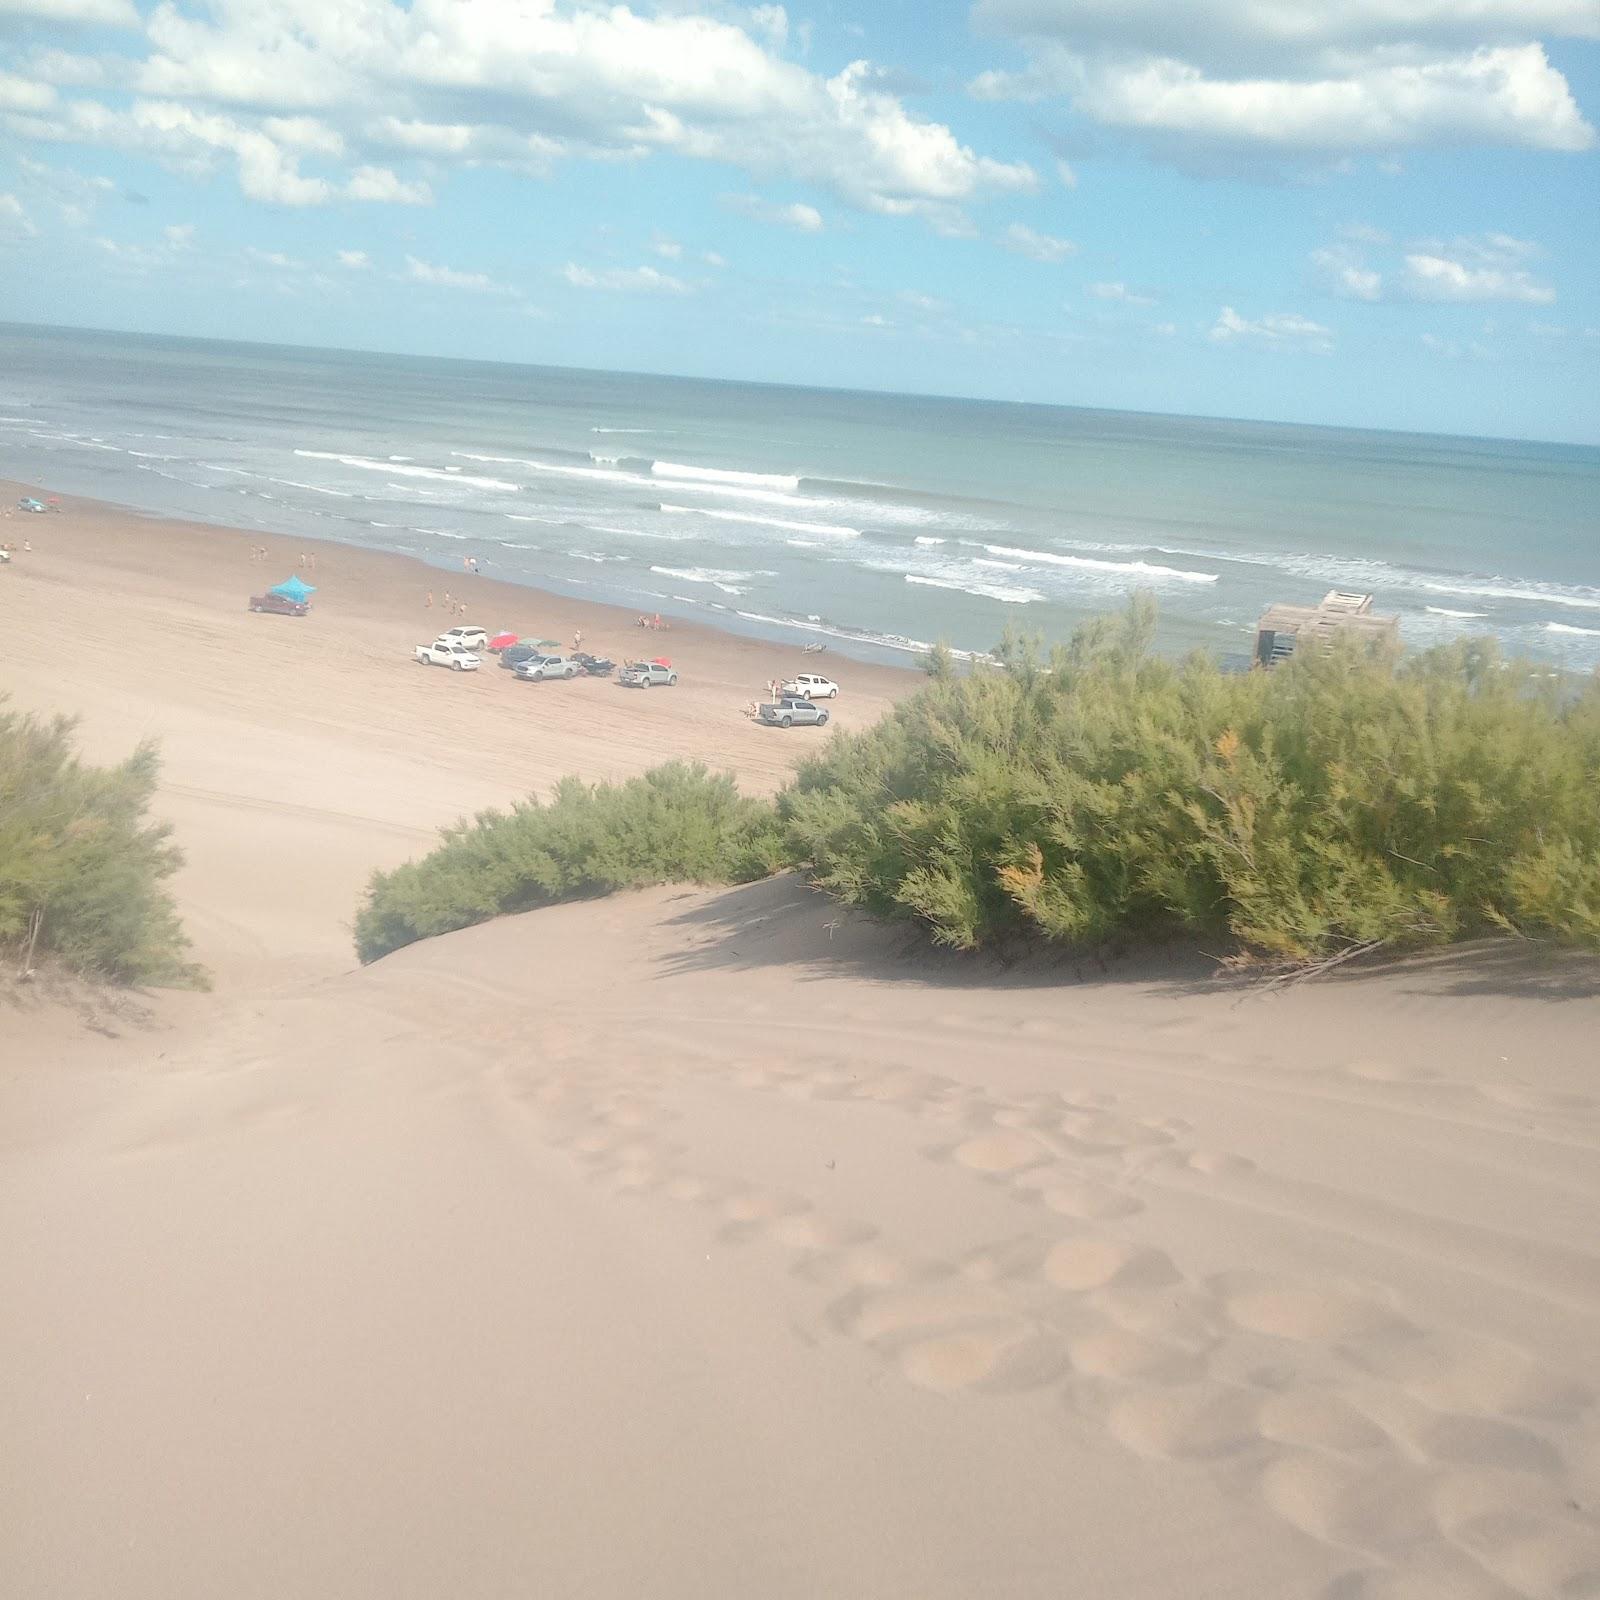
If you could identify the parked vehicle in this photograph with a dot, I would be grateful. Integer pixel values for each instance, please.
(28, 503)
(515, 654)
(447, 653)
(595, 666)
(788, 712)
(471, 638)
(537, 668)
(280, 605)
(647, 674)
(810, 686)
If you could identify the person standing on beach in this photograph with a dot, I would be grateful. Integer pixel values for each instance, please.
(449, 604)
(577, 639)
(428, 605)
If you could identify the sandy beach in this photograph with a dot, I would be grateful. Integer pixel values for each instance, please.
(316, 743)
(715, 1243)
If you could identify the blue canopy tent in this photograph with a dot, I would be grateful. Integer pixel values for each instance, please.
(295, 589)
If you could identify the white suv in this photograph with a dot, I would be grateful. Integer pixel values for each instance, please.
(811, 686)
(472, 638)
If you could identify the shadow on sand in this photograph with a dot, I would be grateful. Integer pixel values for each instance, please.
(783, 922)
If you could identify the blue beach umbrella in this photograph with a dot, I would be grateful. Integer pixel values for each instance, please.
(295, 589)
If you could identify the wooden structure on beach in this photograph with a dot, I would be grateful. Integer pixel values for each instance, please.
(1285, 629)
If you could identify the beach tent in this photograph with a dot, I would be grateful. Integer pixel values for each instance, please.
(295, 589)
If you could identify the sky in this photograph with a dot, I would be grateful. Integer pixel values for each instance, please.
(1369, 213)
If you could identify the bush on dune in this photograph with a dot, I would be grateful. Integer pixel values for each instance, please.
(82, 869)
(677, 823)
(1338, 803)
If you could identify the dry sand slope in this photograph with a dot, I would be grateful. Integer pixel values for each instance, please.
(707, 1244)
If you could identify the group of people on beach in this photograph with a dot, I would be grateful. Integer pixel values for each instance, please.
(452, 606)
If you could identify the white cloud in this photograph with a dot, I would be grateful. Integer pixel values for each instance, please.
(645, 280)
(1479, 267)
(1288, 76)
(712, 259)
(308, 134)
(75, 195)
(523, 85)
(1344, 273)
(1448, 277)
(113, 13)
(440, 277)
(1036, 246)
(922, 302)
(179, 235)
(273, 258)
(1120, 292)
(1067, 174)
(773, 21)
(133, 257)
(1278, 330)
(796, 215)
(379, 183)
(353, 260)
(668, 249)
(15, 222)
(24, 94)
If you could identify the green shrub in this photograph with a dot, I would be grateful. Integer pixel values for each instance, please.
(82, 869)
(1336, 803)
(677, 823)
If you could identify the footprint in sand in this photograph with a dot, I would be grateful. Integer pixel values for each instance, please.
(889, 1314)
(1536, 1555)
(1465, 1373)
(1303, 1312)
(1127, 1357)
(1001, 1356)
(999, 1154)
(1186, 1422)
(1434, 1573)
(1319, 1420)
(1068, 1194)
(1090, 1263)
(1376, 1506)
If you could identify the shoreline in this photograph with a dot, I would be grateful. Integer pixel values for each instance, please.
(318, 742)
(590, 615)
(858, 645)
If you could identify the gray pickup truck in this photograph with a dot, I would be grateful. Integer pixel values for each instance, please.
(789, 711)
(643, 674)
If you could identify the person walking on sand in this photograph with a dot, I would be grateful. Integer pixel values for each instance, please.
(449, 604)
(577, 639)
(428, 604)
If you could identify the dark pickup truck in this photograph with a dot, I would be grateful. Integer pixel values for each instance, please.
(278, 605)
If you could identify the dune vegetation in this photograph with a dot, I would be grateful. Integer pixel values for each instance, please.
(83, 869)
(1336, 805)
(676, 823)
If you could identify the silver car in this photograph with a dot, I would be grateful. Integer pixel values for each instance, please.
(645, 675)
(536, 668)
(794, 710)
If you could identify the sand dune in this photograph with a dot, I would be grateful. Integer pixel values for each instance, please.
(701, 1243)
(692, 1243)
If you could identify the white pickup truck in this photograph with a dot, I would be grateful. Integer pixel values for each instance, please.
(447, 653)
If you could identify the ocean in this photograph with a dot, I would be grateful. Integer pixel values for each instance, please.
(876, 523)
